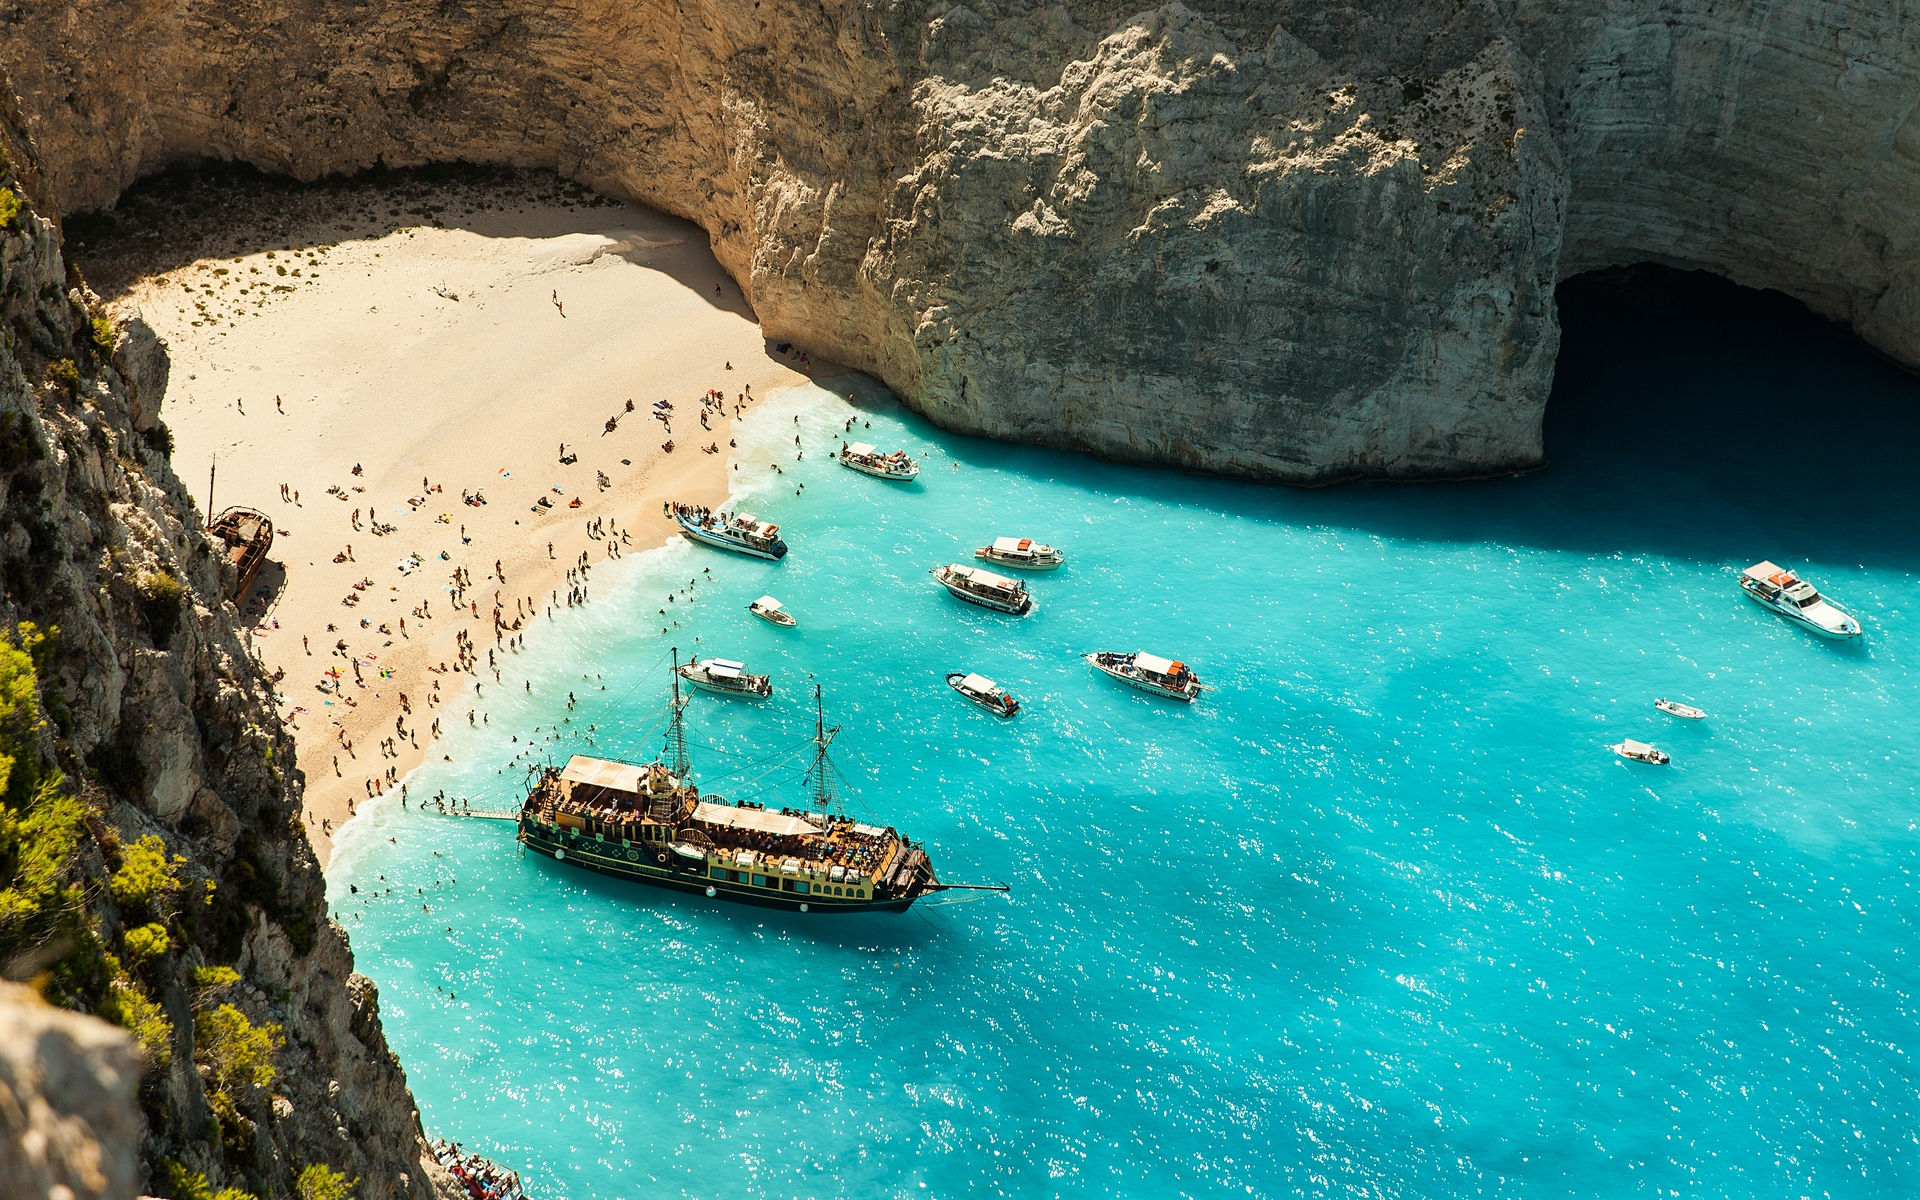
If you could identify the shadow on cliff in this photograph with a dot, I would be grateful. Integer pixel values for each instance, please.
(223, 210)
(1690, 418)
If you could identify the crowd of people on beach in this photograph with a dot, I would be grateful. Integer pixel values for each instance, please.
(511, 613)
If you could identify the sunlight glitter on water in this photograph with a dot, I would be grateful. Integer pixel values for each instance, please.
(1380, 914)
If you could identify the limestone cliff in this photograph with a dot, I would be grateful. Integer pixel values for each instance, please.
(1282, 238)
(153, 868)
(68, 1122)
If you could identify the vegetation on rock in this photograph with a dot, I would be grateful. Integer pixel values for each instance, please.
(146, 883)
(319, 1182)
(235, 1052)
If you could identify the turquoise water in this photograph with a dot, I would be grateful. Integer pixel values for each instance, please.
(1378, 917)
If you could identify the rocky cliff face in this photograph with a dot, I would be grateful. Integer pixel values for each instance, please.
(1281, 238)
(153, 867)
(68, 1122)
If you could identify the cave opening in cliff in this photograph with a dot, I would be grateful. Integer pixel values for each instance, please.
(1742, 396)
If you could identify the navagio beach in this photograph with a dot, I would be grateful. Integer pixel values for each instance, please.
(1374, 907)
(1378, 909)
(313, 384)
(817, 600)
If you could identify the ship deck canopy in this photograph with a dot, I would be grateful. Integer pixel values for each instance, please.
(1013, 545)
(862, 449)
(725, 668)
(768, 603)
(755, 819)
(605, 773)
(1633, 747)
(979, 578)
(979, 683)
(1154, 663)
(1766, 572)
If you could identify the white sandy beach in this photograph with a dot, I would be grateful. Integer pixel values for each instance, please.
(441, 361)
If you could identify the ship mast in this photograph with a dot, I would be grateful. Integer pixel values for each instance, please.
(676, 746)
(820, 773)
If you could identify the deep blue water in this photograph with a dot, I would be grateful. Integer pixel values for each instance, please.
(1378, 917)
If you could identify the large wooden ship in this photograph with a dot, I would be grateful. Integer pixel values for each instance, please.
(248, 536)
(647, 822)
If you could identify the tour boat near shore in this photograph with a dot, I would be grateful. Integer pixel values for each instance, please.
(725, 677)
(647, 823)
(986, 589)
(984, 692)
(867, 460)
(1675, 708)
(1023, 554)
(769, 610)
(1640, 752)
(1150, 673)
(1797, 600)
(738, 532)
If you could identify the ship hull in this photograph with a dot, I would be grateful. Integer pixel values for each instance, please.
(638, 864)
(725, 543)
(1793, 614)
(879, 473)
(1021, 564)
(1020, 609)
(1142, 685)
(737, 693)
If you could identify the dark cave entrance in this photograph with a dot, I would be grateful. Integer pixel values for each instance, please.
(1766, 413)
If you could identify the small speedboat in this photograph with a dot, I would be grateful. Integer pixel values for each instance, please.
(768, 609)
(1640, 752)
(1679, 710)
(726, 677)
(984, 692)
(1797, 600)
(985, 589)
(1021, 553)
(867, 460)
(1150, 673)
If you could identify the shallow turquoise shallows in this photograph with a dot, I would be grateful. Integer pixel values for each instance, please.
(1378, 916)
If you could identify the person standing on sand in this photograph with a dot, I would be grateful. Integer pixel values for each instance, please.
(557, 304)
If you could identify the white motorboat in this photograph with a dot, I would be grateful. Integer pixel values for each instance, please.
(1640, 752)
(1150, 673)
(739, 532)
(1678, 709)
(984, 692)
(726, 677)
(1792, 597)
(867, 460)
(986, 589)
(768, 609)
(1022, 553)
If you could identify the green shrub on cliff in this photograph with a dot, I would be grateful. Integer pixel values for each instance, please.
(236, 1052)
(178, 1183)
(37, 849)
(41, 827)
(20, 721)
(210, 980)
(321, 1182)
(161, 598)
(103, 335)
(10, 206)
(148, 943)
(128, 1006)
(147, 884)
